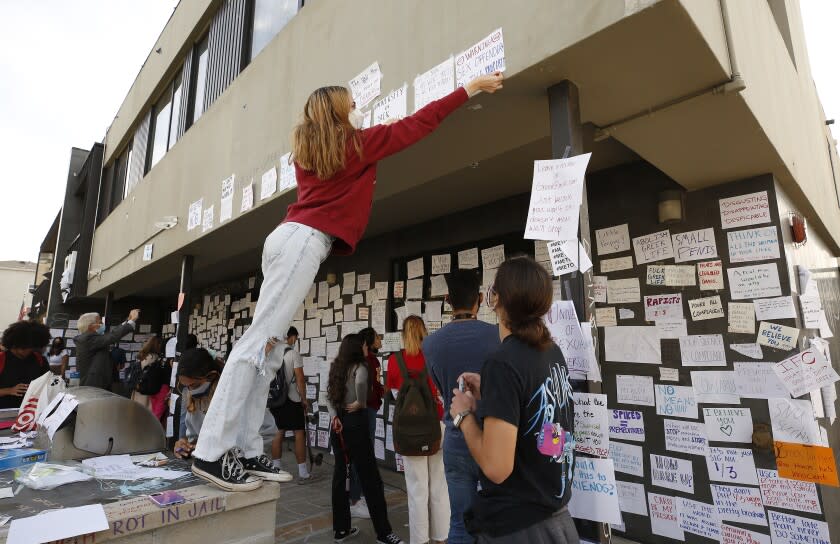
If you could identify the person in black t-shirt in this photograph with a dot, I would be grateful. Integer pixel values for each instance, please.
(22, 361)
(521, 436)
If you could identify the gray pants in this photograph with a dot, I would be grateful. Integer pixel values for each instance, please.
(558, 529)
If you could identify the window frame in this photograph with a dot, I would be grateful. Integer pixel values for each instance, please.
(193, 83)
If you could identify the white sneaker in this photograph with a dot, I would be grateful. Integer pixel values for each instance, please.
(360, 510)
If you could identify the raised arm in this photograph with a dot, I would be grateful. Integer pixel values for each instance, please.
(382, 141)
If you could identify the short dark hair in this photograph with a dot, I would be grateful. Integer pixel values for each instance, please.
(368, 335)
(292, 332)
(192, 342)
(26, 335)
(464, 287)
(197, 363)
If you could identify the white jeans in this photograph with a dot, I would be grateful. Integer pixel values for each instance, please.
(291, 257)
(428, 498)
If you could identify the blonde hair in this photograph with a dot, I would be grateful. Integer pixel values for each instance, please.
(86, 320)
(414, 331)
(319, 141)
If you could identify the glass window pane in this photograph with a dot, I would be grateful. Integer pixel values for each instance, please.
(176, 110)
(200, 72)
(270, 16)
(126, 168)
(160, 130)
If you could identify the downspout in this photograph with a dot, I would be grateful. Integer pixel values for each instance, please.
(734, 84)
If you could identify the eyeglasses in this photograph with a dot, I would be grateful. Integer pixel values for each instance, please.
(491, 297)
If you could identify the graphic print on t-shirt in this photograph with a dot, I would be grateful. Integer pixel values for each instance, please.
(553, 403)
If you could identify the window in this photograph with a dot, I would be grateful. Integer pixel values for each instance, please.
(159, 131)
(121, 165)
(176, 110)
(199, 81)
(270, 16)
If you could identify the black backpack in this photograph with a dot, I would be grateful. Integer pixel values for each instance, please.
(278, 389)
(416, 423)
(153, 377)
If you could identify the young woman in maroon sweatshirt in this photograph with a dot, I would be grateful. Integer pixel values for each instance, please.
(335, 165)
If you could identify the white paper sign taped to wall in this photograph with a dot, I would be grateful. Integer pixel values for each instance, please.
(556, 195)
(485, 57)
(434, 84)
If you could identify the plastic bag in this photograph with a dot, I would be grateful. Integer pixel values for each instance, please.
(46, 476)
(38, 396)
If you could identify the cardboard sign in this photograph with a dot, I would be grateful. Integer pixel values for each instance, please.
(753, 244)
(710, 275)
(788, 494)
(694, 245)
(612, 239)
(672, 473)
(663, 307)
(744, 210)
(731, 465)
(806, 463)
(653, 247)
(627, 425)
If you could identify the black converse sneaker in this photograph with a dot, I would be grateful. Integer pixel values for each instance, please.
(343, 536)
(390, 539)
(261, 467)
(227, 473)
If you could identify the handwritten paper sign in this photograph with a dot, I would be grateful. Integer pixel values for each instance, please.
(811, 311)
(758, 381)
(627, 425)
(415, 268)
(685, 437)
(653, 247)
(669, 374)
(753, 244)
(793, 421)
(753, 351)
(194, 214)
(694, 245)
(564, 256)
(612, 239)
(703, 350)
(744, 210)
(493, 257)
(741, 317)
(715, 387)
(594, 493)
(739, 504)
(366, 86)
(790, 529)
(287, 173)
(556, 195)
(664, 516)
(591, 424)
(788, 494)
(675, 401)
(728, 424)
(393, 106)
(247, 198)
(563, 324)
(756, 281)
(605, 317)
(628, 458)
(485, 57)
(631, 498)
(706, 308)
(226, 204)
(624, 291)
(698, 518)
(268, 185)
(632, 345)
(655, 275)
(599, 288)
(710, 275)
(148, 250)
(777, 336)
(663, 307)
(207, 220)
(731, 465)
(434, 84)
(614, 265)
(635, 390)
(679, 275)
(737, 535)
(774, 308)
(672, 472)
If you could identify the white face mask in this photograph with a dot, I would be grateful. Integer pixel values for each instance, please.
(356, 118)
(200, 390)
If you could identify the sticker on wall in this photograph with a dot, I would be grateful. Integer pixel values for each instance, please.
(194, 214)
(207, 220)
(605, 317)
(774, 308)
(631, 498)
(737, 535)
(694, 245)
(468, 258)
(753, 351)
(599, 288)
(790, 529)
(268, 183)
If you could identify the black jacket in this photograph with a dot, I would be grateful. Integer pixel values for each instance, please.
(92, 358)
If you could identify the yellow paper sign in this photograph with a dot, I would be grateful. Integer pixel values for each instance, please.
(806, 463)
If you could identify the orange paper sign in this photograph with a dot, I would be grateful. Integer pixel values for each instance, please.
(807, 463)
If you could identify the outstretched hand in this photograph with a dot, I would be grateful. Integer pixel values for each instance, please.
(489, 83)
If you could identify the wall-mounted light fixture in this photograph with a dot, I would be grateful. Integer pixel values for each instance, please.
(671, 206)
(798, 228)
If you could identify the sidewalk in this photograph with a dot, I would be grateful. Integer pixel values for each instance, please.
(304, 512)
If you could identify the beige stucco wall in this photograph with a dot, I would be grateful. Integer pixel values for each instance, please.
(14, 288)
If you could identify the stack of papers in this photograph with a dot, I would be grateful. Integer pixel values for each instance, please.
(14, 442)
(120, 467)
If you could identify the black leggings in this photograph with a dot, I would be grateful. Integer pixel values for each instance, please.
(360, 452)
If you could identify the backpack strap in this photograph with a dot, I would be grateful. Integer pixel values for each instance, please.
(2, 361)
(404, 368)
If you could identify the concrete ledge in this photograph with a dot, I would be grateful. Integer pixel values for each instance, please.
(207, 515)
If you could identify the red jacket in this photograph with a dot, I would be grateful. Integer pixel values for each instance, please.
(340, 206)
(414, 364)
(375, 389)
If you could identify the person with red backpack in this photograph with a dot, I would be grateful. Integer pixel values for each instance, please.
(22, 361)
(418, 436)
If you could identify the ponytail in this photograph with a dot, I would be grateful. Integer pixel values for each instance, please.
(525, 295)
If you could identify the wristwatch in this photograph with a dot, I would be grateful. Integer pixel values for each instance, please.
(459, 418)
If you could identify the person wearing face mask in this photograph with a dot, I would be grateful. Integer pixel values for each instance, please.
(93, 360)
(58, 356)
(198, 375)
(335, 167)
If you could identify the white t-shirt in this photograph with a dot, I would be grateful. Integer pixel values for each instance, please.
(55, 360)
(292, 361)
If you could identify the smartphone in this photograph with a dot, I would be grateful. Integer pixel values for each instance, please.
(167, 498)
(462, 386)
